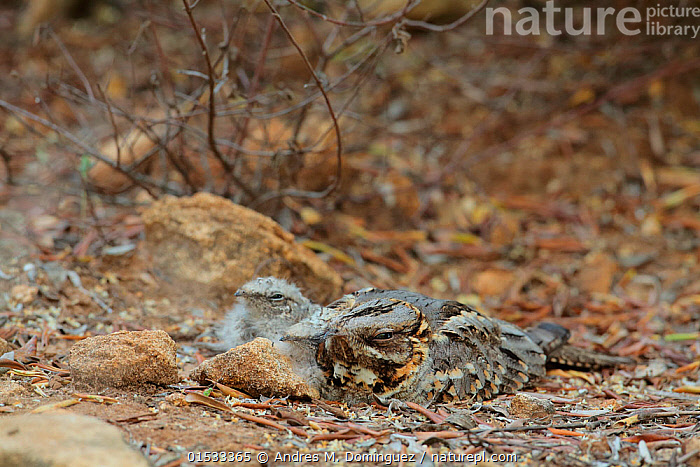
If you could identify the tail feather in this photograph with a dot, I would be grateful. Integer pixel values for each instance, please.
(548, 336)
(553, 340)
(570, 356)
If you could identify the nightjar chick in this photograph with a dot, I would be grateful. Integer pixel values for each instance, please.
(267, 307)
(398, 344)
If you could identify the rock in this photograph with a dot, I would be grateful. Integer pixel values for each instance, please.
(177, 399)
(24, 294)
(63, 439)
(12, 392)
(208, 243)
(651, 369)
(4, 346)
(689, 446)
(527, 406)
(596, 444)
(256, 368)
(124, 359)
(134, 146)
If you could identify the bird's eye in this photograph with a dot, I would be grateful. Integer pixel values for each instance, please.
(276, 296)
(383, 336)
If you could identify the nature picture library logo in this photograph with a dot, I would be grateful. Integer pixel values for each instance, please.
(656, 20)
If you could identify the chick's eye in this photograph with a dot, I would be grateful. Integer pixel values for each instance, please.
(276, 296)
(383, 336)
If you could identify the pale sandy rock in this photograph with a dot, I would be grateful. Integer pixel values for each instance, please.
(4, 346)
(206, 243)
(255, 368)
(689, 446)
(12, 392)
(177, 399)
(124, 359)
(24, 294)
(527, 406)
(596, 444)
(63, 439)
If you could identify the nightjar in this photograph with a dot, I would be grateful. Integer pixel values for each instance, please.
(267, 307)
(398, 344)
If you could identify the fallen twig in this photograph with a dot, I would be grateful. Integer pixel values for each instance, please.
(432, 416)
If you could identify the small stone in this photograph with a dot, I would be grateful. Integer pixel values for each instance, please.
(12, 392)
(689, 446)
(596, 444)
(124, 359)
(177, 399)
(527, 406)
(4, 347)
(651, 226)
(63, 440)
(652, 369)
(24, 294)
(256, 368)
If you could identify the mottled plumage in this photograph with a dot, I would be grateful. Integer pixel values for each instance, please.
(401, 344)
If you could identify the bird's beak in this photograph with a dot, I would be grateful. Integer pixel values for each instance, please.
(321, 337)
(239, 293)
(315, 339)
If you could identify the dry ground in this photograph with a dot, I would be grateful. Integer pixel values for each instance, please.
(536, 178)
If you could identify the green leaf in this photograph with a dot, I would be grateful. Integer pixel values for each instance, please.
(682, 336)
(85, 164)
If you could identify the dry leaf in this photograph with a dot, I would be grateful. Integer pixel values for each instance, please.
(493, 282)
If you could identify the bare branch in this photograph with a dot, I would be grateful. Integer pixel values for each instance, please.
(447, 27)
(319, 84)
(6, 159)
(212, 106)
(73, 65)
(134, 177)
(361, 24)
